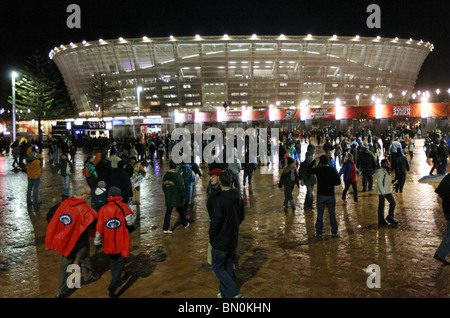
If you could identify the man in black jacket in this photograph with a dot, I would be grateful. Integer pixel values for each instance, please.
(227, 215)
(367, 165)
(121, 179)
(327, 179)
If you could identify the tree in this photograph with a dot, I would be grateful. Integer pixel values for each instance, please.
(40, 92)
(101, 92)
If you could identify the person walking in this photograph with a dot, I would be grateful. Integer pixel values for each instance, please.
(228, 213)
(34, 171)
(289, 179)
(175, 196)
(401, 167)
(67, 234)
(16, 153)
(327, 179)
(249, 167)
(367, 165)
(215, 189)
(121, 179)
(384, 191)
(411, 146)
(309, 180)
(443, 190)
(350, 173)
(111, 230)
(65, 171)
(90, 173)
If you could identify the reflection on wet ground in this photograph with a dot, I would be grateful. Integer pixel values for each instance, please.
(278, 255)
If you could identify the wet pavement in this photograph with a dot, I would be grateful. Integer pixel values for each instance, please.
(278, 254)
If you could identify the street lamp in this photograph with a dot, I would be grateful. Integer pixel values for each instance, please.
(13, 84)
(139, 89)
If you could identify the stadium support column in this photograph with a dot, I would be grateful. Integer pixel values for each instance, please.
(343, 125)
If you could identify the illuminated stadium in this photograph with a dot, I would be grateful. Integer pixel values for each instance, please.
(204, 72)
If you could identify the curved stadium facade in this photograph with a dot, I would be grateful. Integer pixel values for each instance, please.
(205, 72)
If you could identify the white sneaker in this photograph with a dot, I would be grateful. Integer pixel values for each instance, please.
(219, 295)
(187, 225)
(167, 232)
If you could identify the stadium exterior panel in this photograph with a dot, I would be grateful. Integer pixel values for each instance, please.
(253, 71)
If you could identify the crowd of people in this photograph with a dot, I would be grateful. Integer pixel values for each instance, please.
(117, 166)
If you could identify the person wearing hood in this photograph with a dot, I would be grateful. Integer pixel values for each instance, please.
(121, 179)
(226, 217)
(384, 191)
(34, 171)
(65, 171)
(309, 180)
(111, 230)
(289, 179)
(234, 166)
(100, 196)
(175, 196)
(350, 173)
(400, 167)
(68, 234)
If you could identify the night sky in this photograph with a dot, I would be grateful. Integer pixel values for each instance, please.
(29, 25)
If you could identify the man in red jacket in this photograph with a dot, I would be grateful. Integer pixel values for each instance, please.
(112, 221)
(67, 234)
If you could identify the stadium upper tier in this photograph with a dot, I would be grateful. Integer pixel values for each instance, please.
(207, 71)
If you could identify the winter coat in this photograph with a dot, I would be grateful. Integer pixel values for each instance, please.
(384, 181)
(174, 190)
(307, 178)
(34, 161)
(227, 215)
(366, 161)
(401, 165)
(289, 177)
(347, 169)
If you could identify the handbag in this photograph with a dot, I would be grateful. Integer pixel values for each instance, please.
(130, 228)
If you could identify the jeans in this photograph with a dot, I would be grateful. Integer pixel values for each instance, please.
(330, 202)
(367, 177)
(401, 181)
(288, 197)
(222, 265)
(309, 198)
(347, 186)
(248, 175)
(182, 213)
(391, 201)
(117, 264)
(33, 185)
(237, 182)
(66, 185)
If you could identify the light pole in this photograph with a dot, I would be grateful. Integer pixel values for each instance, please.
(139, 89)
(13, 84)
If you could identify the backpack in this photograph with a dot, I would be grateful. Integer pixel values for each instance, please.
(85, 172)
(100, 200)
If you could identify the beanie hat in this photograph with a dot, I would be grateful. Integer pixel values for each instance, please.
(114, 191)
